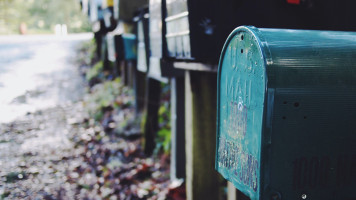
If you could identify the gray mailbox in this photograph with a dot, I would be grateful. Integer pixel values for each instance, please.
(286, 126)
(159, 67)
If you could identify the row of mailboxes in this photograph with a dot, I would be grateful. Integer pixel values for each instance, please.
(121, 47)
(286, 114)
(187, 30)
(105, 14)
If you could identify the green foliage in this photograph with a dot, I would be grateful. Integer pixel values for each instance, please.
(14, 176)
(109, 93)
(163, 139)
(5, 194)
(40, 16)
(95, 71)
(86, 53)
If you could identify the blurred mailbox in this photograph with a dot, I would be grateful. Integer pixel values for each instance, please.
(110, 39)
(126, 46)
(159, 67)
(142, 23)
(95, 12)
(197, 29)
(121, 46)
(286, 114)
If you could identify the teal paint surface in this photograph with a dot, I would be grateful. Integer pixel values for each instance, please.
(242, 84)
(130, 46)
(286, 113)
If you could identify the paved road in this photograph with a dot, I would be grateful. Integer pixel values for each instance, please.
(37, 72)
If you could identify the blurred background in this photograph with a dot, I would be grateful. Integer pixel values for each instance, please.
(41, 16)
(117, 99)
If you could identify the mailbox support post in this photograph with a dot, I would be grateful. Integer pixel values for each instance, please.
(234, 194)
(153, 94)
(178, 128)
(202, 180)
(231, 191)
(123, 69)
(131, 70)
(139, 85)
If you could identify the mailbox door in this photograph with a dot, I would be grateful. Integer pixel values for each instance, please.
(129, 46)
(155, 29)
(116, 9)
(111, 47)
(241, 99)
(178, 37)
(141, 48)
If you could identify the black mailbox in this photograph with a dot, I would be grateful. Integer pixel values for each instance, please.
(197, 29)
(109, 21)
(127, 8)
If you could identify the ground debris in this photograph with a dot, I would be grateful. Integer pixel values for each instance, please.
(59, 155)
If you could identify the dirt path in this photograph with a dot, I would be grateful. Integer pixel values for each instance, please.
(37, 152)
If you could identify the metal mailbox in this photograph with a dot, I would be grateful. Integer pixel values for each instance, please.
(156, 29)
(127, 9)
(125, 45)
(286, 114)
(110, 40)
(121, 46)
(159, 67)
(95, 11)
(197, 29)
(142, 23)
(108, 16)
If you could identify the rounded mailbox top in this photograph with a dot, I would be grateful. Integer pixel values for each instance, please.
(244, 46)
(298, 58)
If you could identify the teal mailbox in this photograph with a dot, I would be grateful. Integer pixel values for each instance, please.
(286, 119)
(126, 46)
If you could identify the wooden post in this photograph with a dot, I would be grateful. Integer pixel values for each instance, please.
(231, 191)
(202, 180)
(234, 194)
(177, 128)
(153, 94)
(131, 69)
(98, 41)
(139, 85)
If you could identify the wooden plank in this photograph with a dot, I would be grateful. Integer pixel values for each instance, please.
(178, 128)
(196, 66)
(202, 180)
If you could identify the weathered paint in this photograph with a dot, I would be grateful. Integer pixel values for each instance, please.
(241, 88)
(286, 110)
